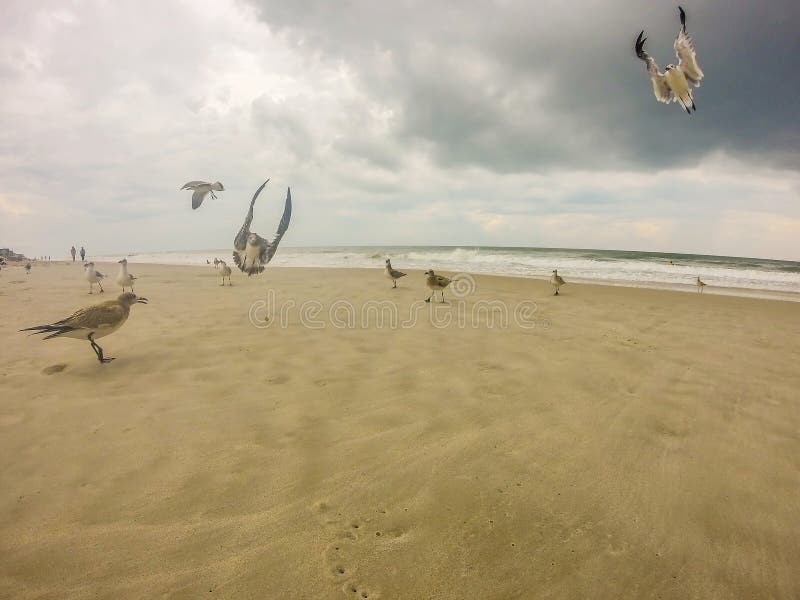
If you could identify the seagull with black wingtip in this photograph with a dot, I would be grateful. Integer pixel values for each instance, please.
(393, 274)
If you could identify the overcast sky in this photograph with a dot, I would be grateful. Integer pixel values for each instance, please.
(453, 123)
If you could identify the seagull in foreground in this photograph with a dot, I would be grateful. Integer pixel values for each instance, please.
(93, 322)
(93, 276)
(393, 274)
(28, 268)
(225, 271)
(556, 281)
(673, 84)
(125, 279)
(435, 282)
(251, 252)
(700, 285)
(201, 190)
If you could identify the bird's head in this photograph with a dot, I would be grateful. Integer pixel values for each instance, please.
(89, 264)
(124, 261)
(129, 299)
(252, 238)
(555, 271)
(388, 262)
(670, 67)
(219, 187)
(429, 272)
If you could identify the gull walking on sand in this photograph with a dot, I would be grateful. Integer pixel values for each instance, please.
(201, 190)
(700, 285)
(251, 252)
(28, 268)
(393, 274)
(673, 84)
(556, 281)
(435, 283)
(93, 276)
(125, 279)
(93, 322)
(225, 271)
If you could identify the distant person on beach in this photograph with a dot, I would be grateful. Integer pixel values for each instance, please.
(83, 254)
(72, 251)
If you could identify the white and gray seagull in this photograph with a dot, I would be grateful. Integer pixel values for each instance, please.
(251, 252)
(673, 84)
(393, 274)
(201, 190)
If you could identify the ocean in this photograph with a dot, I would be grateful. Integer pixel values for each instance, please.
(723, 274)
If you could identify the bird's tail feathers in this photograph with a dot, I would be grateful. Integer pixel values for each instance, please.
(52, 330)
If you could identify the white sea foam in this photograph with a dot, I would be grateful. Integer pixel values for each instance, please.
(740, 276)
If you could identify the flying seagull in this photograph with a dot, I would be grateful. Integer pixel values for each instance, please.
(93, 322)
(201, 190)
(251, 252)
(393, 274)
(673, 84)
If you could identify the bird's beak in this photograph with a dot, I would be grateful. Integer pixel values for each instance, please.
(141, 300)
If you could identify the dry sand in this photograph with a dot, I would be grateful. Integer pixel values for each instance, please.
(632, 444)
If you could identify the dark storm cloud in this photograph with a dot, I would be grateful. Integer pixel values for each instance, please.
(526, 86)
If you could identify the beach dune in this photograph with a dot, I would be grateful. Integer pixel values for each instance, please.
(606, 443)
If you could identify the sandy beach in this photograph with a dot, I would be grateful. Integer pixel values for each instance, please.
(606, 443)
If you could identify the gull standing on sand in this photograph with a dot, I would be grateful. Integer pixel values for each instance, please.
(556, 281)
(393, 274)
(28, 268)
(225, 271)
(93, 276)
(435, 282)
(673, 84)
(125, 279)
(201, 190)
(700, 285)
(251, 252)
(93, 322)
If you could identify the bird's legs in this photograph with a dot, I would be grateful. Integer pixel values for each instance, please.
(90, 288)
(442, 293)
(428, 299)
(98, 351)
(394, 281)
(101, 287)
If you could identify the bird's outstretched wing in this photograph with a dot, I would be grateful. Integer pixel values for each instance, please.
(240, 241)
(193, 184)
(687, 58)
(198, 197)
(660, 87)
(282, 227)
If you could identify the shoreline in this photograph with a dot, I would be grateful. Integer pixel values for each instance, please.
(712, 290)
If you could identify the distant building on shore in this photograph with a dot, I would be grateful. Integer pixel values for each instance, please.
(10, 254)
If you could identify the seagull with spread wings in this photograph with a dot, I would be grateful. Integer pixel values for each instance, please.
(251, 252)
(201, 190)
(673, 85)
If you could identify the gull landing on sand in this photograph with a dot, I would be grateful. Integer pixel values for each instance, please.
(201, 190)
(93, 322)
(393, 274)
(125, 279)
(93, 276)
(673, 84)
(251, 252)
(700, 285)
(556, 281)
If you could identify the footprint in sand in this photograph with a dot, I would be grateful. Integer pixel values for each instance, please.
(57, 368)
(354, 542)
